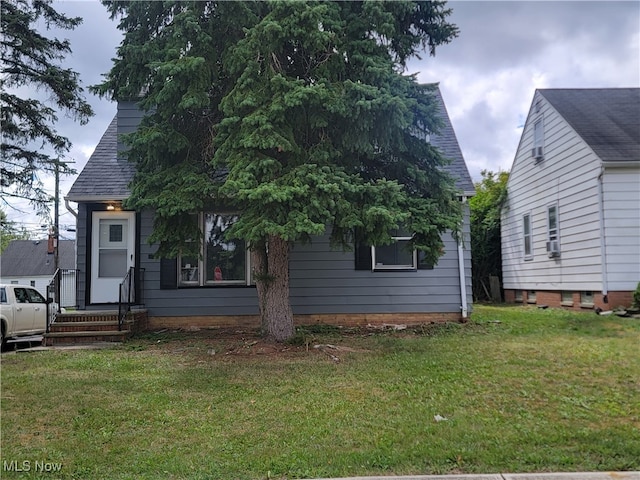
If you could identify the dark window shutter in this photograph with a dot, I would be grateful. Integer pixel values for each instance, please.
(363, 256)
(168, 274)
(423, 264)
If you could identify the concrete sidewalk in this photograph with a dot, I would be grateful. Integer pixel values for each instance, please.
(510, 476)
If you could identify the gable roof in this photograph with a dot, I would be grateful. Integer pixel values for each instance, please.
(106, 176)
(447, 142)
(24, 258)
(607, 119)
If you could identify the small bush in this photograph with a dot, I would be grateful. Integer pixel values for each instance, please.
(636, 298)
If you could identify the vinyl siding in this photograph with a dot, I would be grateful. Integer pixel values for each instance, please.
(621, 196)
(568, 178)
(82, 260)
(129, 116)
(322, 281)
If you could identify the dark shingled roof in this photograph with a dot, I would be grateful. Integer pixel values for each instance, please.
(447, 142)
(607, 119)
(23, 258)
(106, 177)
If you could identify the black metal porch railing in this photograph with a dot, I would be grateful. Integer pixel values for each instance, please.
(130, 293)
(62, 290)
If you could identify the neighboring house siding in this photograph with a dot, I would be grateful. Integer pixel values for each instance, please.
(31, 262)
(621, 196)
(323, 281)
(40, 283)
(566, 177)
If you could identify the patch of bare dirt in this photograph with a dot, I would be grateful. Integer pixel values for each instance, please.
(331, 342)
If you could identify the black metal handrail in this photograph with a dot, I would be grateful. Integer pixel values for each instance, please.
(128, 294)
(62, 290)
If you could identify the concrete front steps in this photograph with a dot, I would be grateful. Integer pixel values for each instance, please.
(86, 327)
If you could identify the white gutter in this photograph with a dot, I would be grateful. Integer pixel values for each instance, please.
(463, 282)
(69, 209)
(603, 246)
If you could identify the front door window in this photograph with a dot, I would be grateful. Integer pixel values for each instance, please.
(113, 248)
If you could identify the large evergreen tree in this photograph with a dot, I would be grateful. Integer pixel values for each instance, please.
(294, 114)
(31, 60)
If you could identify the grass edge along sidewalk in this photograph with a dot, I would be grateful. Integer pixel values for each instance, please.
(509, 476)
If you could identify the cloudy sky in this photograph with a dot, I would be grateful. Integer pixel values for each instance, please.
(488, 75)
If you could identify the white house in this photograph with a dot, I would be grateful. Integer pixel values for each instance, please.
(571, 222)
(31, 262)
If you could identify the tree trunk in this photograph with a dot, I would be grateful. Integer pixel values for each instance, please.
(271, 264)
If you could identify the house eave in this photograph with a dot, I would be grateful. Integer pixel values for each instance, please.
(622, 164)
(96, 198)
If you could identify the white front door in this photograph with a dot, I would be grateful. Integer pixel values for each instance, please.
(112, 253)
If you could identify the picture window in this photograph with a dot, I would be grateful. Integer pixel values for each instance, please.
(222, 261)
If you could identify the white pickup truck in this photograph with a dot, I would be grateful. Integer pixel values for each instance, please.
(23, 312)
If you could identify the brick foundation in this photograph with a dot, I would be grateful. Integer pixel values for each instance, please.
(553, 299)
(510, 296)
(617, 299)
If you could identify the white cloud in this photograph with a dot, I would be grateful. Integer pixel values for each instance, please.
(487, 75)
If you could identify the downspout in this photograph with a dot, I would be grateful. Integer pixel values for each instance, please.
(463, 281)
(69, 209)
(603, 246)
(75, 244)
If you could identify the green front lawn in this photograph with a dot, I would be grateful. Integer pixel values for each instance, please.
(521, 390)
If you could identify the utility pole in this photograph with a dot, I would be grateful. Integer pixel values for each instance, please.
(56, 219)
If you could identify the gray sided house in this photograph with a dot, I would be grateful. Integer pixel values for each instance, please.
(327, 286)
(571, 224)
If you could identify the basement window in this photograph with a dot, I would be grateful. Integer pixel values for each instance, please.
(586, 299)
(566, 299)
(531, 296)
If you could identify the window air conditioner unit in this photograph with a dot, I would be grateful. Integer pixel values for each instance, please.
(553, 249)
(536, 152)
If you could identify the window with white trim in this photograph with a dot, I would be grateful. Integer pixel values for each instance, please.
(221, 261)
(527, 236)
(538, 139)
(552, 224)
(397, 255)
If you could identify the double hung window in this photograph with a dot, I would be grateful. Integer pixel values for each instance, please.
(553, 223)
(538, 140)
(553, 232)
(221, 261)
(527, 236)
